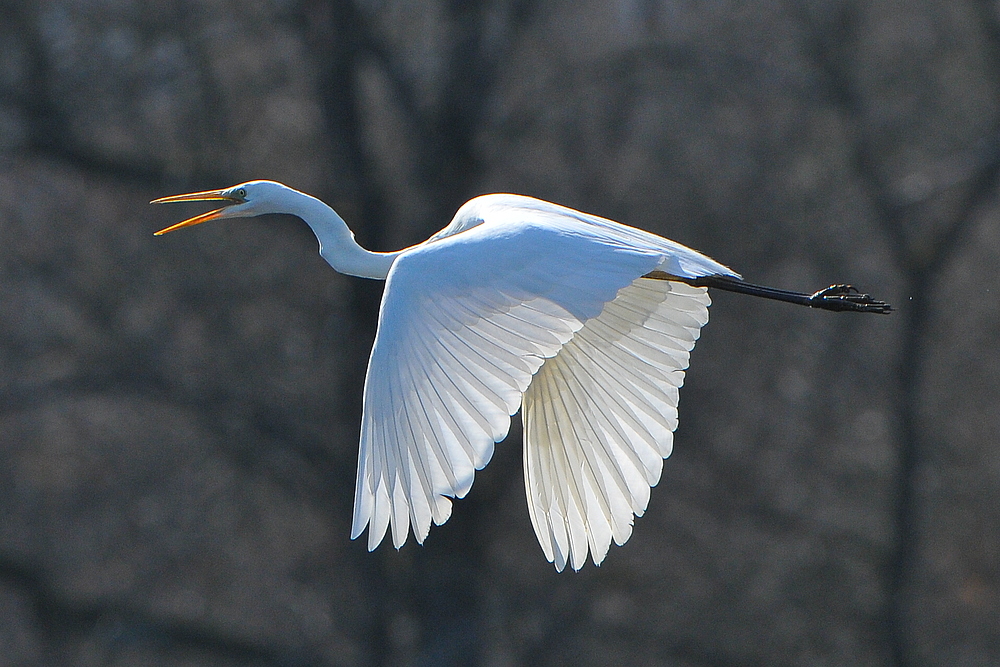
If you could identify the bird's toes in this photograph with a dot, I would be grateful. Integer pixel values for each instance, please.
(848, 297)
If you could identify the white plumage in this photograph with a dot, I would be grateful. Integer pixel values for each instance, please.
(599, 418)
(540, 304)
(516, 304)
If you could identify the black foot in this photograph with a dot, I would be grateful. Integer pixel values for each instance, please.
(847, 297)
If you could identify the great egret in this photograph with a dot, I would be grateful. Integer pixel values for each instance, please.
(583, 323)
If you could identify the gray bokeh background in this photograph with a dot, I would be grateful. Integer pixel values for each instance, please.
(179, 421)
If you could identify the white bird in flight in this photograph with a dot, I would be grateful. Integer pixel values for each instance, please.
(584, 324)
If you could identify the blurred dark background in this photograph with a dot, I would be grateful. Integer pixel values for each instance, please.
(179, 423)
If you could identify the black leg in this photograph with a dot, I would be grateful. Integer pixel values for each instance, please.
(835, 297)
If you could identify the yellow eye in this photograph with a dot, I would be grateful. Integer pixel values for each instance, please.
(242, 193)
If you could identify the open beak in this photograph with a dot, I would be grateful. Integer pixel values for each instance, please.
(207, 195)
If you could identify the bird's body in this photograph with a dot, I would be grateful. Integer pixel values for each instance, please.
(582, 323)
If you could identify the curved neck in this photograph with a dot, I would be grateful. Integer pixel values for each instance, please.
(336, 241)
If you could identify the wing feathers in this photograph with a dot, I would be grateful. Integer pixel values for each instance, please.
(599, 418)
(451, 385)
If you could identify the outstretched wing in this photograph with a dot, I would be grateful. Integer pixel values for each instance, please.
(465, 322)
(599, 418)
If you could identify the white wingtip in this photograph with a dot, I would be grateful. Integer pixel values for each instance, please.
(379, 521)
(357, 529)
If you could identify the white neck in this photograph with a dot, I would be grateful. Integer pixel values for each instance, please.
(336, 241)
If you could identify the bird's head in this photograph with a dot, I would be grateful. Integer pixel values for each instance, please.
(240, 201)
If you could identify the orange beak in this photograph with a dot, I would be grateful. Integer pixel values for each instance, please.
(207, 195)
